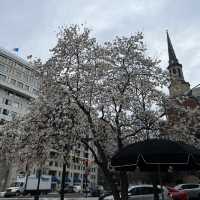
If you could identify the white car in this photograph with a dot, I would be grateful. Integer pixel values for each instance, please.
(143, 192)
(77, 188)
(11, 191)
(2, 194)
(192, 189)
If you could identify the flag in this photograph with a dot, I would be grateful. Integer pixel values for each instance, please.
(16, 49)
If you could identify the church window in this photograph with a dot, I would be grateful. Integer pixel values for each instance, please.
(174, 71)
(179, 72)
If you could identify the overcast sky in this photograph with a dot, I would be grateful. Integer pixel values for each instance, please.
(31, 25)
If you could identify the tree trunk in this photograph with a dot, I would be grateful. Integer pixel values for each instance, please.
(124, 185)
(112, 182)
(62, 190)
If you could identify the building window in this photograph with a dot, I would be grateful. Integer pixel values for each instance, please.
(77, 152)
(2, 77)
(26, 87)
(8, 102)
(56, 164)
(50, 163)
(174, 71)
(18, 74)
(15, 104)
(25, 77)
(179, 72)
(5, 112)
(13, 115)
(19, 84)
(13, 81)
(52, 172)
(53, 155)
(35, 91)
(86, 155)
(3, 68)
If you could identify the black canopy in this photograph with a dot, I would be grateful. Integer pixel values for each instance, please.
(150, 154)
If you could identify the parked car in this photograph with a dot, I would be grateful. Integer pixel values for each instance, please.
(77, 188)
(10, 192)
(104, 194)
(178, 194)
(96, 192)
(193, 190)
(143, 192)
(69, 189)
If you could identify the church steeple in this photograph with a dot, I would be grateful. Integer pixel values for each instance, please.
(178, 86)
(172, 56)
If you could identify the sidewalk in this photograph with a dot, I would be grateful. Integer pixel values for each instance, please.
(50, 198)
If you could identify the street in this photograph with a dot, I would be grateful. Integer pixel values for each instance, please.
(50, 198)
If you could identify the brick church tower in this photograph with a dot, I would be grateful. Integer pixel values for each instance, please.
(178, 85)
(180, 94)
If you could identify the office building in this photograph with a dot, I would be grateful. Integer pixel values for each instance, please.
(19, 83)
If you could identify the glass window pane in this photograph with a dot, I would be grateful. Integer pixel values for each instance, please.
(2, 77)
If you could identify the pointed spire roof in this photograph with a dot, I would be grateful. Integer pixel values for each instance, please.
(172, 56)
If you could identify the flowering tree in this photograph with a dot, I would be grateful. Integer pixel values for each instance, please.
(108, 95)
(49, 125)
(183, 116)
(115, 86)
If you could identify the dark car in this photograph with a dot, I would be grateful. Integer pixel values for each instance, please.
(104, 194)
(96, 192)
(10, 193)
(69, 189)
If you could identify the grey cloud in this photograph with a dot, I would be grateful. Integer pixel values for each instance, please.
(32, 25)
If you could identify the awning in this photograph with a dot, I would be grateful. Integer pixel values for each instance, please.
(77, 179)
(67, 179)
(55, 179)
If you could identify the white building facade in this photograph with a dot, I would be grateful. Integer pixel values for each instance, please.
(19, 83)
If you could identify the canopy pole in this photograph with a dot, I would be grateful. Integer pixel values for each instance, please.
(160, 181)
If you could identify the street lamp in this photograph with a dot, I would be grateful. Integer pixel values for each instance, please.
(62, 189)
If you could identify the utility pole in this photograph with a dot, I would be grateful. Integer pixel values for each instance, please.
(27, 173)
(62, 189)
(86, 178)
(36, 197)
